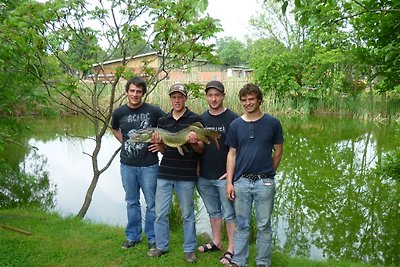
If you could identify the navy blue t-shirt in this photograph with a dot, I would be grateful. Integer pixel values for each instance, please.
(132, 119)
(213, 160)
(254, 142)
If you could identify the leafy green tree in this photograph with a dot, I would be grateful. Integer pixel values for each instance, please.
(20, 94)
(8, 5)
(177, 30)
(18, 87)
(82, 48)
(231, 51)
(274, 66)
(314, 63)
(356, 23)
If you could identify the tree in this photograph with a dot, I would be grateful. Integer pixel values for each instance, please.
(278, 57)
(177, 30)
(314, 63)
(231, 51)
(370, 27)
(18, 88)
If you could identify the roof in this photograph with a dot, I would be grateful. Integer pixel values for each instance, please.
(120, 59)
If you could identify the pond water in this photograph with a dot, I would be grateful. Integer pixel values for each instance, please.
(329, 204)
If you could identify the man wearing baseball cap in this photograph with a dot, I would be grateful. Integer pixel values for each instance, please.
(178, 87)
(211, 183)
(177, 172)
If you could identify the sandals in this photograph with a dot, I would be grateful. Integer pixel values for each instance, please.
(209, 247)
(227, 257)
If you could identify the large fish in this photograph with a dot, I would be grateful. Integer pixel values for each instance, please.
(178, 139)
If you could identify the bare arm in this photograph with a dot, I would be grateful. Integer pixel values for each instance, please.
(230, 169)
(117, 134)
(277, 155)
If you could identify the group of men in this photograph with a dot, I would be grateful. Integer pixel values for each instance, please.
(229, 179)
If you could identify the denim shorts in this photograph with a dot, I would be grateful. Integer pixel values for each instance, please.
(213, 193)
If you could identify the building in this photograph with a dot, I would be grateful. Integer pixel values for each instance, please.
(197, 71)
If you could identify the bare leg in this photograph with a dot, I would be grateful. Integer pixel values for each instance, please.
(216, 228)
(230, 230)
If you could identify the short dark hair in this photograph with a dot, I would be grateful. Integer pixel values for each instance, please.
(251, 88)
(138, 82)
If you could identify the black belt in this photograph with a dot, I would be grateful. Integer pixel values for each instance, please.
(255, 177)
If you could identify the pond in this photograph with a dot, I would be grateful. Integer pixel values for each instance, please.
(329, 204)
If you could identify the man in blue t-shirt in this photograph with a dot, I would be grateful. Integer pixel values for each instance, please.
(139, 166)
(255, 143)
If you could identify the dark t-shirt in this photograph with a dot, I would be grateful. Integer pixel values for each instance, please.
(132, 119)
(213, 160)
(175, 166)
(254, 155)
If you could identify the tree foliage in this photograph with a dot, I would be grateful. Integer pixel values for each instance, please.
(324, 54)
(274, 67)
(59, 42)
(368, 29)
(231, 51)
(18, 87)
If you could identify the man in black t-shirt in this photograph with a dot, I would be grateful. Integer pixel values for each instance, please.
(211, 183)
(139, 166)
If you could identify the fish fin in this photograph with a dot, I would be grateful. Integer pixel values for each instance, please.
(216, 142)
(180, 150)
(184, 148)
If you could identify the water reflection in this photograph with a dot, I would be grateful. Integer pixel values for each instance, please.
(19, 188)
(330, 203)
(330, 198)
(70, 169)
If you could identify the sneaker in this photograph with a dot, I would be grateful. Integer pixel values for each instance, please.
(190, 257)
(155, 252)
(128, 244)
(152, 245)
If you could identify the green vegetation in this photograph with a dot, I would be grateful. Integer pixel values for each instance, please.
(57, 241)
(336, 63)
(362, 106)
(325, 56)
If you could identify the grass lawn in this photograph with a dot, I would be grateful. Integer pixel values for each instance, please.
(58, 241)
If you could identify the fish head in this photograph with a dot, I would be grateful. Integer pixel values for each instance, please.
(141, 136)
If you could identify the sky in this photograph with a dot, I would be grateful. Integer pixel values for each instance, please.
(234, 16)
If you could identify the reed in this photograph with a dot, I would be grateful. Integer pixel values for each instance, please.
(364, 106)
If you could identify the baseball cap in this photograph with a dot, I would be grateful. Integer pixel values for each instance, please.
(215, 84)
(178, 87)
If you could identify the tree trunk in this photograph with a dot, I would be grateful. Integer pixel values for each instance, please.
(88, 198)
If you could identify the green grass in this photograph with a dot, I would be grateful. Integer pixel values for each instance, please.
(57, 241)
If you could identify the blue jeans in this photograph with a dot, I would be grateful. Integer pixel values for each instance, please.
(262, 193)
(134, 179)
(213, 193)
(185, 192)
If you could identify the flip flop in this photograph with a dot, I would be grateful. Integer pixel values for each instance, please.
(227, 256)
(209, 247)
